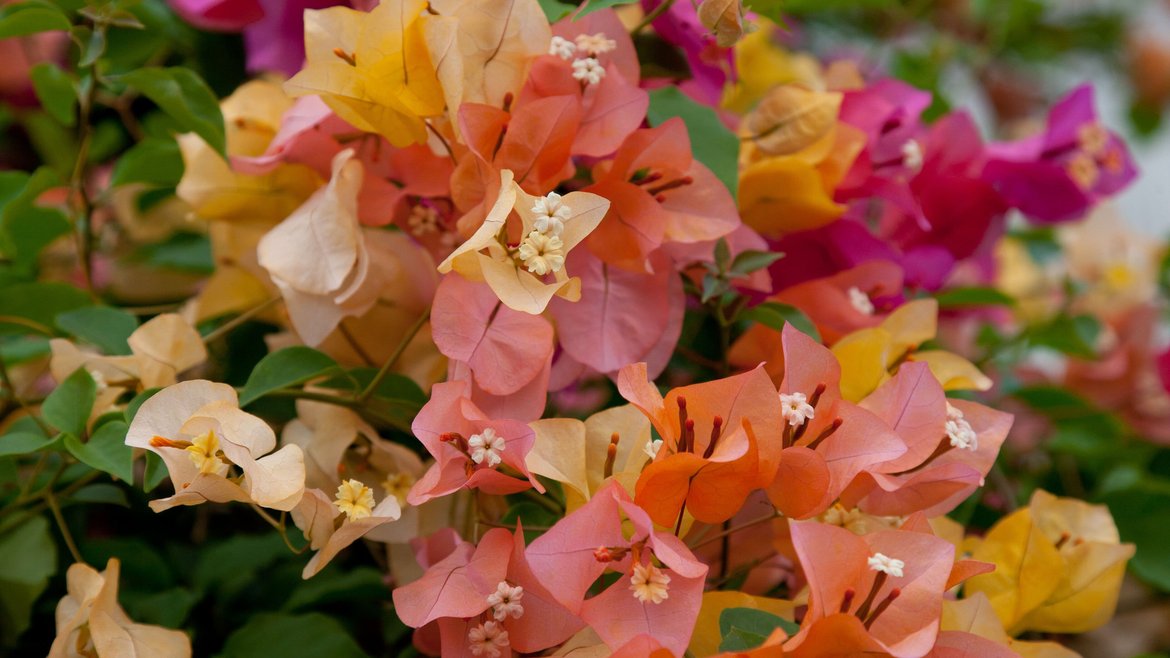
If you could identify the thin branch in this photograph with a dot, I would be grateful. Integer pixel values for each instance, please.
(731, 531)
(51, 500)
(240, 319)
(402, 345)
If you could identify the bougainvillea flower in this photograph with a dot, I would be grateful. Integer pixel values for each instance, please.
(482, 50)
(659, 192)
(720, 440)
(1061, 173)
(660, 584)
(91, 623)
(870, 356)
(550, 227)
(622, 316)
(470, 449)
(526, 404)
(215, 452)
(795, 154)
(372, 68)
(846, 301)
(591, 61)
(826, 251)
(974, 615)
(252, 116)
(890, 583)
(826, 440)
(951, 445)
(1059, 564)
(504, 349)
(331, 523)
(487, 600)
(160, 349)
(585, 455)
(318, 256)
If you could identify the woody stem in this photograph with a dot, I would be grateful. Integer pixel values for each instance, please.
(402, 345)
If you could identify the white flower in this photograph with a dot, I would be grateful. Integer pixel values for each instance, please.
(423, 220)
(355, 499)
(886, 564)
(551, 213)
(542, 253)
(649, 583)
(398, 485)
(562, 47)
(487, 639)
(796, 408)
(99, 379)
(860, 301)
(588, 70)
(912, 155)
(595, 44)
(487, 445)
(959, 431)
(506, 601)
(652, 447)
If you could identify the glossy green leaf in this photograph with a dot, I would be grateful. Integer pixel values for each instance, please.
(106, 451)
(23, 18)
(28, 557)
(22, 443)
(154, 161)
(747, 628)
(776, 315)
(33, 307)
(68, 407)
(56, 91)
(185, 98)
(286, 368)
(105, 327)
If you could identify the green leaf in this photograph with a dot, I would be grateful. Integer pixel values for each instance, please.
(39, 304)
(28, 557)
(362, 584)
(185, 98)
(286, 368)
(1142, 515)
(25, 228)
(167, 608)
(236, 562)
(974, 296)
(712, 143)
(292, 636)
(155, 473)
(106, 451)
(101, 493)
(749, 261)
(713, 286)
(555, 10)
(154, 161)
(1072, 335)
(56, 91)
(105, 327)
(68, 407)
(776, 315)
(594, 5)
(24, 18)
(22, 443)
(747, 628)
(722, 255)
(186, 252)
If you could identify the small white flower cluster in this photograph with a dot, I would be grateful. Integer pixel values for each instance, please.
(652, 447)
(487, 639)
(505, 601)
(886, 564)
(551, 213)
(912, 156)
(486, 446)
(562, 47)
(796, 408)
(588, 70)
(542, 250)
(959, 431)
(649, 583)
(423, 220)
(860, 301)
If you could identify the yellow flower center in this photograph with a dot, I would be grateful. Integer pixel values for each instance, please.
(355, 499)
(205, 454)
(398, 485)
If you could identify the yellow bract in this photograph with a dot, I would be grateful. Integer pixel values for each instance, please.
(871, 356)
(372, 69)
(707, 636)
(1059, 564)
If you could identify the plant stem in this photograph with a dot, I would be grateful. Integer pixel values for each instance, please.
(652, 16)
(240, 319)
(51, 500)
(385, 370)
(731, 531)
(543, 501)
